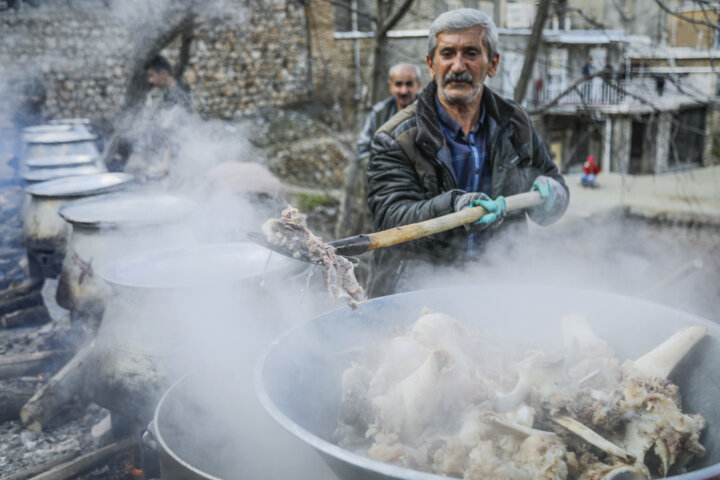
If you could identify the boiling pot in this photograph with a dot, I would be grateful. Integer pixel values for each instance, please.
(298, 377)
(210, 425)
(106, 228)
(44, 232)
(168, 306)
(37, 175)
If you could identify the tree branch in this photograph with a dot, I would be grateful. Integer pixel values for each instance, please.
(382, 30)
(589, 20)
(685, 17)
(148, 48)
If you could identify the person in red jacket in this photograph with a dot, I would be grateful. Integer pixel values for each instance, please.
(590, 172)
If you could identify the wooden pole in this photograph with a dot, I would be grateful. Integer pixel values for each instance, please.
(69, 382)
(85, 462)
(38, 469)
(12, 366)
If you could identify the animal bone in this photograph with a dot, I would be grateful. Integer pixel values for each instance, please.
(580, 341)
(542, 372)
(661, 360)
(651, 408)
(408, 406)
(593, 438)
(513, 427)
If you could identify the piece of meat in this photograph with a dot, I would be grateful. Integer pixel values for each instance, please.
(291, 231)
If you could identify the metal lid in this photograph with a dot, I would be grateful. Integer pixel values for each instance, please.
(69, 136)
(79, 186)
(55, 161)
(70, 121)
(45, 174)
(194, 266)
(128, 209)
(38, 129)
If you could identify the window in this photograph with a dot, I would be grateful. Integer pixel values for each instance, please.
(343, 15)
(687, 139)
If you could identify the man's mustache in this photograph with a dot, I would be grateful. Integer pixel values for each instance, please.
(458, 77)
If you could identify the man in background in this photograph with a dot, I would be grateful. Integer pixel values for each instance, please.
(159, 75)
(155, 139)
(404, 84)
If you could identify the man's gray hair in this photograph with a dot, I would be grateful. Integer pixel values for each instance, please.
(460, 19)
(399, 65)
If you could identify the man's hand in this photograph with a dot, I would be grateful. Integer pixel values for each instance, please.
(496, 209)
(544, 185)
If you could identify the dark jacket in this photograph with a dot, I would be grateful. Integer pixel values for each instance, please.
(380, 113)
(410, 179)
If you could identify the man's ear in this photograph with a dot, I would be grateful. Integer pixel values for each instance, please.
(492, 69)
(430, 66)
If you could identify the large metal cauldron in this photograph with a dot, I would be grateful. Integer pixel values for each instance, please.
(298, 379)
(174, 309)
(44, 232)
(107, 228)
(210, 426)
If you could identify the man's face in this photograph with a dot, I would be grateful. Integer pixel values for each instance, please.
(157, 78)
(404, 86)
(460, 65)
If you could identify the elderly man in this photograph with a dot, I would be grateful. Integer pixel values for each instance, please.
(459, 145)
(403, 83)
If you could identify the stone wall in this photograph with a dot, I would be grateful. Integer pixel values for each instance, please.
(235, 64)
(263, 62)
(74, 53)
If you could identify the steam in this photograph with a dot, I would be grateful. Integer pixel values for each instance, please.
(670, 264)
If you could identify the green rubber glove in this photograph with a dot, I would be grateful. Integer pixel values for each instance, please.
(543, 186)
(497, 209)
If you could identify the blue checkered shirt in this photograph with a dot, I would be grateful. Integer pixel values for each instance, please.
(468, 156)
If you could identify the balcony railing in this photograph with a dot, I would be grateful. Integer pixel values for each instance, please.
(598, 92)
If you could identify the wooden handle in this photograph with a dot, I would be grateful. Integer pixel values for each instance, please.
(393, 236)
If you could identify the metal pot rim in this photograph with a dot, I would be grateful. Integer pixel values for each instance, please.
(71, 136)
(79, 185)
(60, 161)
(159, 437)
(45, 174)
(110, 273)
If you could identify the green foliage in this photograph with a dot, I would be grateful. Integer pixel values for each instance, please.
(307, 202)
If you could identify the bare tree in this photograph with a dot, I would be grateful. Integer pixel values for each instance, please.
(387, 18)
(148, 45)
(531, 50)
